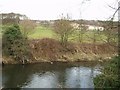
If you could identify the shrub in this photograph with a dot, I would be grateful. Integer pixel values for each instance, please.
(110, 75)
(14, 44)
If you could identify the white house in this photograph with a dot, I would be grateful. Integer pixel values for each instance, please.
(89, 27)
(92, 27)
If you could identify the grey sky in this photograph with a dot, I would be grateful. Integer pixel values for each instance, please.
(52, 9)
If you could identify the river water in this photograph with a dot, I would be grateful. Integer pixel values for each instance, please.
(46, 75)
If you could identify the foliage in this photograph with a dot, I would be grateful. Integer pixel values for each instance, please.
(82, 30)
(14, 44)
(110, 75)
(11, 18)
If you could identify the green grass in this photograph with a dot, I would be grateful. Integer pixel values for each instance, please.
(88, 37)
(42, 32)
(46, 32)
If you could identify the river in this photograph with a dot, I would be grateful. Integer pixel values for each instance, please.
(46, 75)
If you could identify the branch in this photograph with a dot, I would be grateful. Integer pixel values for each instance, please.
(111, 7)
(115, 13)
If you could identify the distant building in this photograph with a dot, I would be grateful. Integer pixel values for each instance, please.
(93, 27)
(89, 27)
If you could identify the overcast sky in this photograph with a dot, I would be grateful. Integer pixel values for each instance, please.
(53, 9)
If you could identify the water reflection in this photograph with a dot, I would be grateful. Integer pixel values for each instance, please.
(50, 76)
(47, 79)
(80, 77)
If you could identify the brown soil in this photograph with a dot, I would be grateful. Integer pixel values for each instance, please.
(50, 50)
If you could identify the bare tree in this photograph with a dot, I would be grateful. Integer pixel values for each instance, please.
(63, 29)
(110, 31)
(27, 27)
(82, 30)
(112, 28)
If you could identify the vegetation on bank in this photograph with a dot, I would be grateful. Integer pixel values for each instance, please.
(50, 49)
(109, 78)
(32, 42)
(14, 44)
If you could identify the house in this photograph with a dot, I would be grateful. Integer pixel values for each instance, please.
(93, 27)
(88, 27)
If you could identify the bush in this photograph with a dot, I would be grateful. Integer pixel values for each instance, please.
(14, 44)
(110, 75)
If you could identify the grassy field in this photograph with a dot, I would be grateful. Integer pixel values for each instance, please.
(45, 32)
(42, 32)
